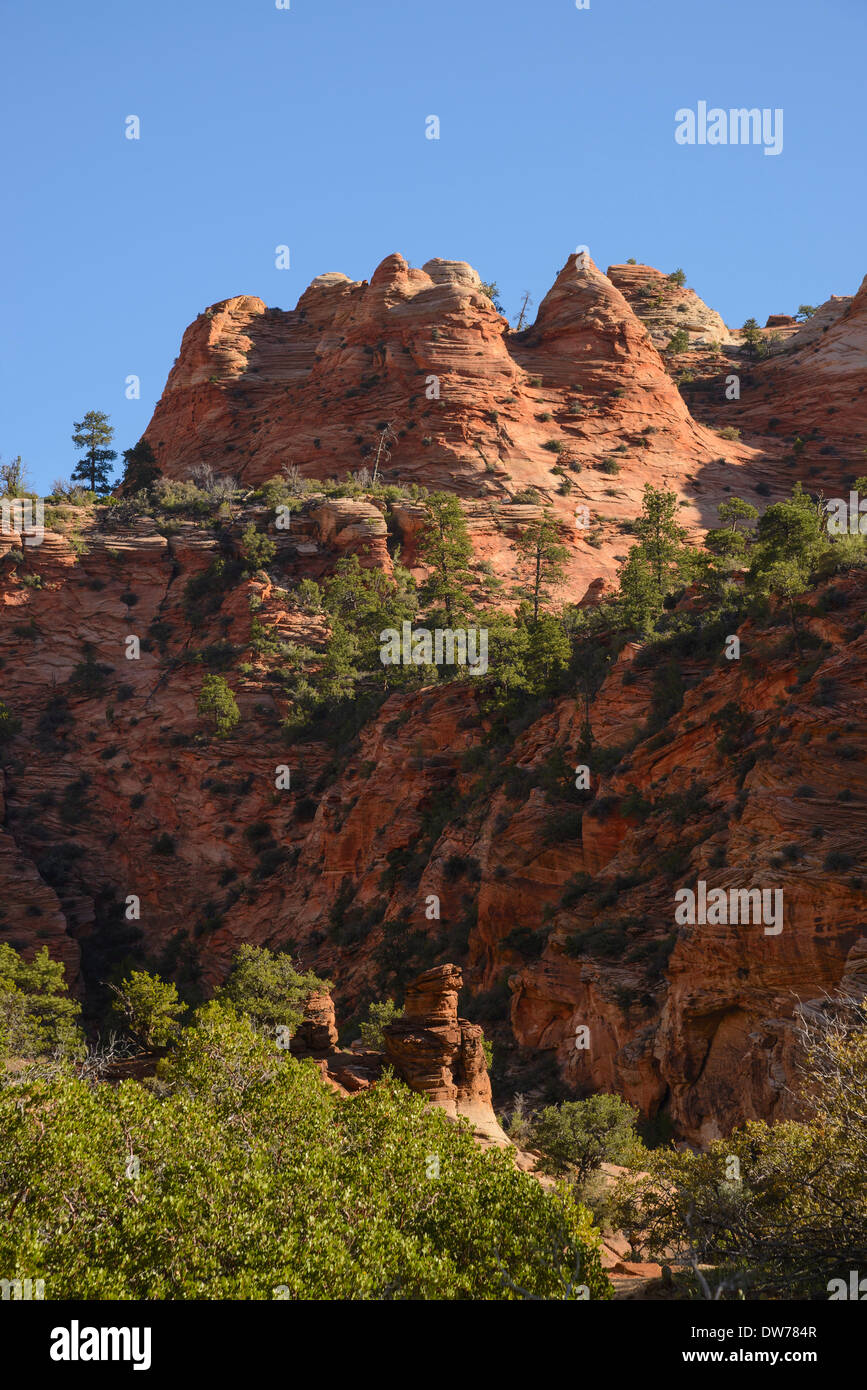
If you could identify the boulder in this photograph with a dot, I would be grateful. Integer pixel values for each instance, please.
(318, 1031)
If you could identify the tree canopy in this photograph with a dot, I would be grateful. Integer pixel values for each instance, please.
(242, 1176)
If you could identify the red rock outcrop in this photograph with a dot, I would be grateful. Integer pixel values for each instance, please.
(664, 306)
(353, 527)
(112, 790)
(440, 1055)
(437, 1054)
(813, 327)
(312, 386)
(815, 388)
(578, 407)
(317, 1032)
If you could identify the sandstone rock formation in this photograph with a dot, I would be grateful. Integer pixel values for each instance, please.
(813, 327)
(818, 385)
(317, 1033)
(664, 306)
(255, 388)
(437, 1054)
(440, 1055)
(351, 526)
(109, 791)
(476, 409)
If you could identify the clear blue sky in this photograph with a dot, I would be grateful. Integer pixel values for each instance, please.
(306, 127)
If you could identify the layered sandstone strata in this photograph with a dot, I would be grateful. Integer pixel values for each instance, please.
(475, 409)
(664, 306)
(440, 1055)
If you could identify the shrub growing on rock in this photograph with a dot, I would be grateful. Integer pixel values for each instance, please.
(217, 707)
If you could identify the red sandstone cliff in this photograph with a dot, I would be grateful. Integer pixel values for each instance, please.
(110, 792)
(477, 410)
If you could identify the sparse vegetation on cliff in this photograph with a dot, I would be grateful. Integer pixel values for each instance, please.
(217, 706)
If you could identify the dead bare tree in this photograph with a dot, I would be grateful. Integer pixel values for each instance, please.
(525, 304)
(295, 481)
(385, 434)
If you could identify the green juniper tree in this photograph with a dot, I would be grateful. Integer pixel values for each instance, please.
(729, 541)
(786, 580)
(266, 986)
(37, 1017)
(361, 604)
(548, 652)
(794, 529)
(257, 548)
(445, 546)
(492, 290)
(735, 509)
(658, 562)
(379, 1015)
(640, 597)
(217, 706)
(140, 468)
(149, 1007)
(752, 336)
(576, 1136)
(661, 539)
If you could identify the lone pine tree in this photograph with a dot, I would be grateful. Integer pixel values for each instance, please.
(92, 435)
(542, 556)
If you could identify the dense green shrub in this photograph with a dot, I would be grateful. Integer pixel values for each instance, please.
(254, 1181)
(268, 989)
(37, 1017)
(576, 1136)
(217, 706)
(149, 1008)
(379, 1015)
(204, 592)
(259, 550)
(771, 1211)
(89, 676)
